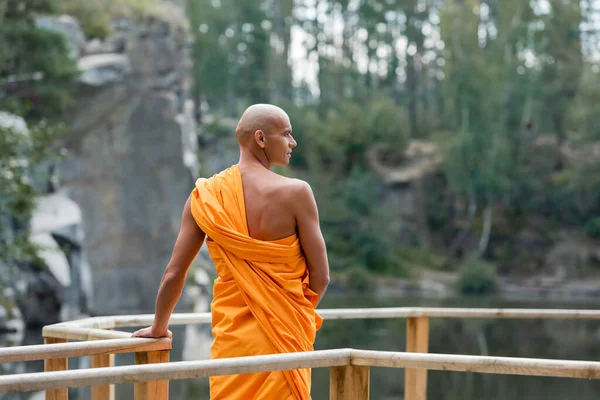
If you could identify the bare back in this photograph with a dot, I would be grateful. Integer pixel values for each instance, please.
(268, 199)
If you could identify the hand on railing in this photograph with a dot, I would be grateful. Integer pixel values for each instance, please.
(150, 333)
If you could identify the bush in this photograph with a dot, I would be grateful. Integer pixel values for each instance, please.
(96, 16)
(24, 158)
(358, 279)
(419, 257)
(477, 278)
(592, 227)
(93, 16)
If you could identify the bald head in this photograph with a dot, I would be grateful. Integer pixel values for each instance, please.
(263, 117)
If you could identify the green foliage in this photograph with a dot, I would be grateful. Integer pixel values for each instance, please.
(592, 227)
(36, 73)
(219, 128)
(35, 67)
(344, 135)
(585, 108)
(500, 77)
(478, 164)
(23, 158)
(231, 51)
(477, 277)
(93, 16)
(560, 44)
(23, 10)
(345, 223)
(482, 157)
(360, 280)
(419, 257)
(96, 16)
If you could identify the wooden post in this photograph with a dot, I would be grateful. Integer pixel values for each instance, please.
(103, 392)
(349, 382)
(57, 364)
(154, 390)
(417, 341)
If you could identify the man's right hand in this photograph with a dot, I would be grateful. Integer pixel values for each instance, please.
(150, 333)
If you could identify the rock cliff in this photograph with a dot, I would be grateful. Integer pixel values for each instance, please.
(131, 156)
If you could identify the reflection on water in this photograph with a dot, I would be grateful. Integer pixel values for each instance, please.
(556, 339)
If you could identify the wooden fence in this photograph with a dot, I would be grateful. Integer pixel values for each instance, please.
(349, 368)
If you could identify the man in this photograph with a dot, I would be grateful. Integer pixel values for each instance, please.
(262, 232)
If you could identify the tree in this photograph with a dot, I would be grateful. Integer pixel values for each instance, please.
(481, 70)
(24, 156)
(36, 74)
(563, 62)
(231, 52)
(35, 68)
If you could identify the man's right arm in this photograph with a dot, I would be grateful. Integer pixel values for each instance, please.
(311, 238)
(187, 246)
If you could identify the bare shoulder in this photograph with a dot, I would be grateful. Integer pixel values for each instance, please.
(298, 192)
(293, 185)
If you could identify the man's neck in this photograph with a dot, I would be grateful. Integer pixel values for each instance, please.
(250, 160)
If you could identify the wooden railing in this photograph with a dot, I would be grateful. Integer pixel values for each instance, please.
(349, 373)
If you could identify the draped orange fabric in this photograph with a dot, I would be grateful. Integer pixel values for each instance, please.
(262, 303)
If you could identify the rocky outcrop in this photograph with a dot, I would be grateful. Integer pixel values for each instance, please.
(405, 189)
(56, 227)
(573, 256)
(573, 153)
(131, 158)
(419, 159)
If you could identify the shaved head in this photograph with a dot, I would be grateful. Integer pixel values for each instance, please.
(263, 117)
(264, 134)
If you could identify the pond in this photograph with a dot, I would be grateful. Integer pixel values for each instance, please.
(557, 339)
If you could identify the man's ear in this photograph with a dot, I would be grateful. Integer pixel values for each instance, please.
(259, 137)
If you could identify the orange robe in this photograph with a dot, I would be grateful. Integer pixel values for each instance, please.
(262, 303)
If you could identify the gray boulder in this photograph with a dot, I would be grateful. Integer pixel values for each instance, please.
(102, 69)
(112, 44)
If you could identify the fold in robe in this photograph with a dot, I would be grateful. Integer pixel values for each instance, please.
(262, 303)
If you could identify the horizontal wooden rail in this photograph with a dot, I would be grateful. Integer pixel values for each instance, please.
(78, 349)
(99, 328)
(174, 370)
(96, 328)
(78, 333)
(481, 364)
(439, 312)
(315, 359)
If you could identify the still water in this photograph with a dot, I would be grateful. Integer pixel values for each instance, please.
(557, 339)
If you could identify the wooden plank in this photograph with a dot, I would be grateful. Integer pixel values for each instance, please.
(417, 341)
(152, 390)
(57, 364)
(78, 349)
(176, 319)
(440, 312)
(174, 370)
(79, 333)
(313, 359)
(479, 364)
(103, 392)
(349, 382)
(95, 328)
